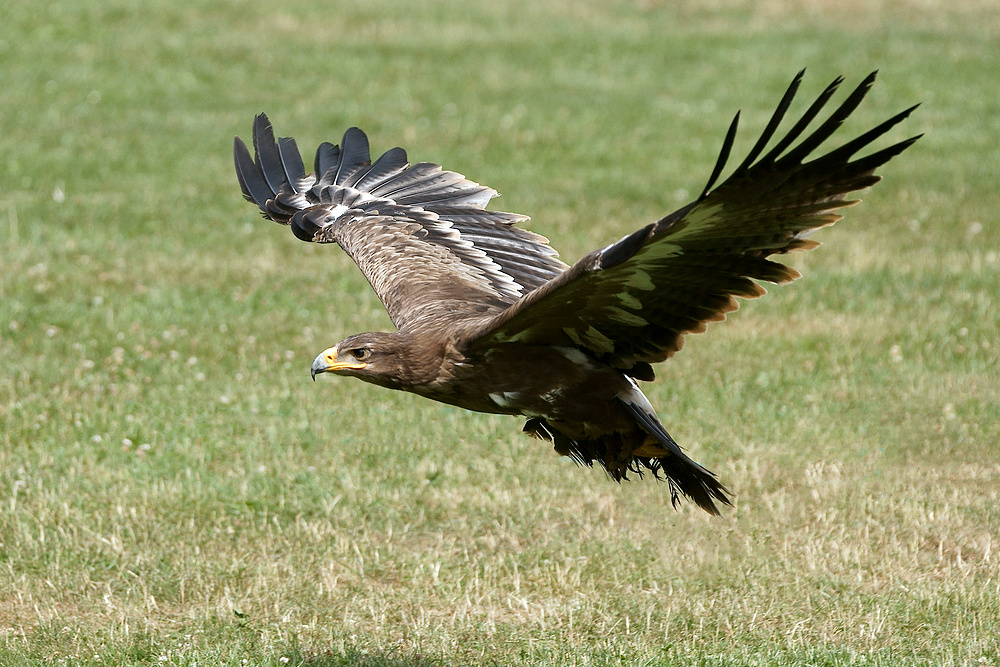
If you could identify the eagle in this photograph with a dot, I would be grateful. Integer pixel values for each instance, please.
(489, 319)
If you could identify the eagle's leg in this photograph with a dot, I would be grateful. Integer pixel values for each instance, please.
(650, 448)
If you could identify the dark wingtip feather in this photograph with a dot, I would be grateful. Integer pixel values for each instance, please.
(327, 157)
(804, 121)
(720, 163)
(255, 188)
(239, 149)
(268, 157)
(856, 144)
(877, 159)
(772, 125)
(836, 119)
(291, 162)
(355, 154)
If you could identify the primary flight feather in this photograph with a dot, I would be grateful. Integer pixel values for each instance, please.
(489, 319)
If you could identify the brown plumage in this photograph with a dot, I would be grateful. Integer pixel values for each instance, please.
(489, 319)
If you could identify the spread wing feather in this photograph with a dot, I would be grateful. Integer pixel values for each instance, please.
(420, 235)
(632, 302)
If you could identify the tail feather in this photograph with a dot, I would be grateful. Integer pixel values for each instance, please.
(684, 474)
(623, 453)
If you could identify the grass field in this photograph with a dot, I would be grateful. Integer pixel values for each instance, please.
(174, 490)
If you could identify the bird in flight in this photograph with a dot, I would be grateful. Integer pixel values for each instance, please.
(489, 319)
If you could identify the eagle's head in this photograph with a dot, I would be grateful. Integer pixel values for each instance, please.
(379, 358)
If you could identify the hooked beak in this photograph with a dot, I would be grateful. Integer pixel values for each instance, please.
(327, 362)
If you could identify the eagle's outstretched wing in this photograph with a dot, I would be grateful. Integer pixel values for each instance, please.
(631, 303)
(421, 235)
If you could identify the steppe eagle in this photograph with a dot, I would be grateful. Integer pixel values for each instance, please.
(489, 319)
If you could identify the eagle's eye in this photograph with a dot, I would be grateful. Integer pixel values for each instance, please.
(361, 354)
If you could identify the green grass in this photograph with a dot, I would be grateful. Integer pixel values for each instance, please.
(174, 490)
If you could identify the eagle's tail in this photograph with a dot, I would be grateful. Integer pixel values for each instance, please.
(659, 453)
(648, 448)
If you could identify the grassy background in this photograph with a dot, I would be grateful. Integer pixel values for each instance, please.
(173, 489)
